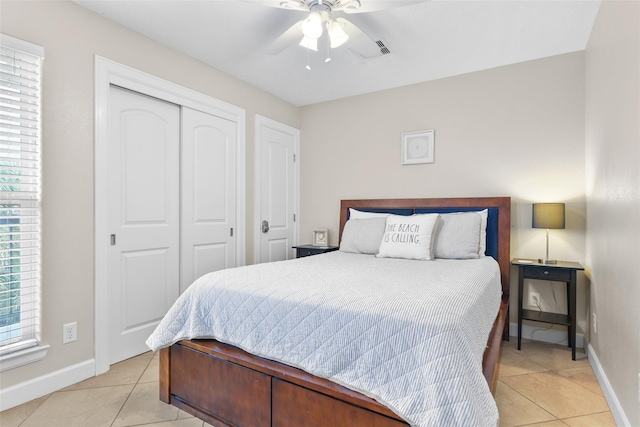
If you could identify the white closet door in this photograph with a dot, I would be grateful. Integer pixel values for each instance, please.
(143, 170)
(208, 195)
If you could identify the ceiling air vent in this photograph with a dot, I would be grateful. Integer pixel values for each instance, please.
(366, 48)
(382, 47)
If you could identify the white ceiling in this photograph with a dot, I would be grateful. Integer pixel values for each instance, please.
(428, 40)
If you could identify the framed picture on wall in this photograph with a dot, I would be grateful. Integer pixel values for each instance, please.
(418, 147)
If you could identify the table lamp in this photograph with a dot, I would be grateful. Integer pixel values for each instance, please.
(549, 216)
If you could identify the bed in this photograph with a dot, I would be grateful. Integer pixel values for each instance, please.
(227, 386)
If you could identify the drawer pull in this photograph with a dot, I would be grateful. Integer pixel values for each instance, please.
(546, 272)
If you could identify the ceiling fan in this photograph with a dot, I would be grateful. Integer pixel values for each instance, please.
(308, 31)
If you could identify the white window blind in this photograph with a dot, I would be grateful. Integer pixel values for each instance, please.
(20, 134)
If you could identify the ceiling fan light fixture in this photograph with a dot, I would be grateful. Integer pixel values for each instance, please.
(336, 33)
(312, 26)
(309, 43)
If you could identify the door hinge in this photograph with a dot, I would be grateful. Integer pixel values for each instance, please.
(294, 158)
(231, 232)
(113, 240)
(294, 217)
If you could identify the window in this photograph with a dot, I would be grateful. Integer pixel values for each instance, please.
(20, 134)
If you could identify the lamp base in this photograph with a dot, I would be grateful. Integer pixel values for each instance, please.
(547, 261)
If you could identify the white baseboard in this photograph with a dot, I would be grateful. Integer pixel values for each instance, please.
(543, 334)
(614, 404)
(41, 386)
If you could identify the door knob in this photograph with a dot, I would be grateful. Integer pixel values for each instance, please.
(265, 226)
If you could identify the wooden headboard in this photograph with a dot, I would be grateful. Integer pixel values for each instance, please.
(498, 223)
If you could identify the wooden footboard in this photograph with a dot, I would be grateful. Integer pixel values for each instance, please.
(226, 386)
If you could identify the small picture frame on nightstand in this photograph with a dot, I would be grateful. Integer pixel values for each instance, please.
(321, 237)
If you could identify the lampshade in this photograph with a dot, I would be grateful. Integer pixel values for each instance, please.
(309, 43)
(548, 215)
(312, 26)
(336, 33)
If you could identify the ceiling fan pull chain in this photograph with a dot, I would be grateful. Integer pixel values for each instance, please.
(308, 67)
(328, 58)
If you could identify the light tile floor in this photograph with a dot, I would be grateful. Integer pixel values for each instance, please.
(538, 386)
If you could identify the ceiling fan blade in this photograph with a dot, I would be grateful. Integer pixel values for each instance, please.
(360, 43)
(375, 5)
(282, 4)
(290, 37)
(350, 6)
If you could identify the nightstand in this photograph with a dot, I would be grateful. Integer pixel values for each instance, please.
(308, 250)
(563, 271)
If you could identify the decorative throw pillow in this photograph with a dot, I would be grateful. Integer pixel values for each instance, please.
(457, 236)
(363, 236)
(408, 237)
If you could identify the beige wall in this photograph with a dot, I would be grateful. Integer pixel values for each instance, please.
(71, 37)
(613, 197)
(512, 131)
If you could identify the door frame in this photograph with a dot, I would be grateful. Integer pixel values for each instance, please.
(109, 73)
(257, 197)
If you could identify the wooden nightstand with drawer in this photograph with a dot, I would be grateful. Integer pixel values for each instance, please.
(563, 271)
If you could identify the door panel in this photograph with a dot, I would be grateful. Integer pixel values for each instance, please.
(208, 258)
(208, 195)
(210, 146)
(143, 143)
(143, 217)
(277, 192)
(140, 273)
(279, 155)
(278, 249)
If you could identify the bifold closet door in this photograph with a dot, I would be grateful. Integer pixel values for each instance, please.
(144, 215)
(208, 195)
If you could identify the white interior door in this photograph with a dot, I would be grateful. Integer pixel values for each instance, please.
(277, 190)
(143, 200)
(208, 195)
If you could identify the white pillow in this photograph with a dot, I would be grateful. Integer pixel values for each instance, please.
(363, 236)
(408, 237)
(483, 231)
(457, 236)
(356, 214)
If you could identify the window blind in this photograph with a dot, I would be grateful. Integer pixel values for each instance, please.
(20, 137)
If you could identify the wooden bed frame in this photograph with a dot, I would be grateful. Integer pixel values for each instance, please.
(226, 386)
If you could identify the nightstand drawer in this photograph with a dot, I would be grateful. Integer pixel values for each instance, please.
(307, 252)
(543, 273)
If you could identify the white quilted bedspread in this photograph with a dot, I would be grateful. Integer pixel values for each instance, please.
(410, 334)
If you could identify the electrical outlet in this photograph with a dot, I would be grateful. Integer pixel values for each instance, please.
(593, 323)
(534, 299)
(69, 332)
